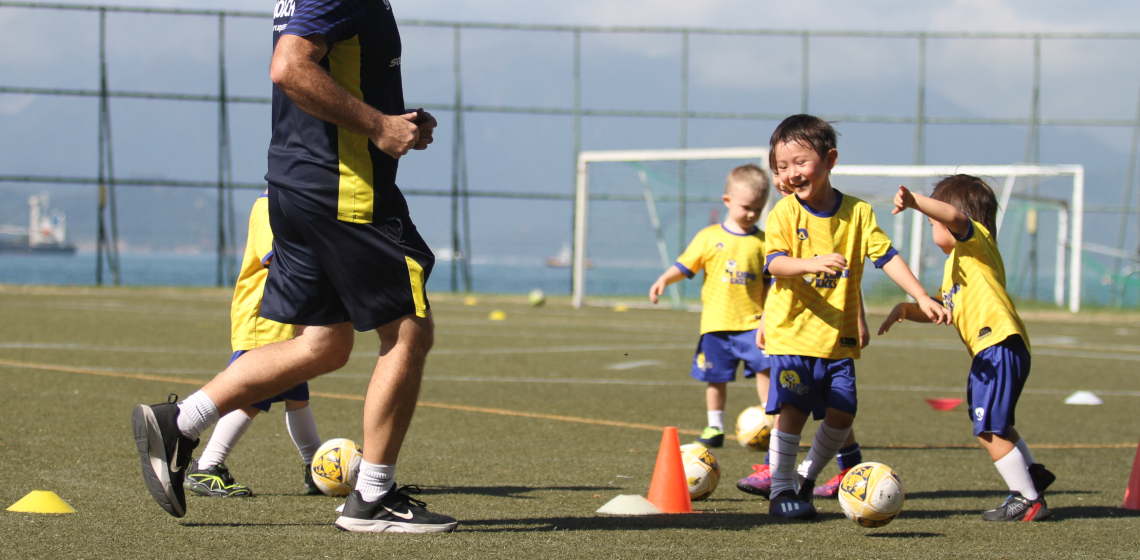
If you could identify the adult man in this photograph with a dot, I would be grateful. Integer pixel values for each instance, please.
(346, 255)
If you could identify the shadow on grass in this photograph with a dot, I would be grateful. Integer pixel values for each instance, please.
(998, 494)
(314, 524)
(508, 491)
(1092, 512)
(905, 535)
(701, 520)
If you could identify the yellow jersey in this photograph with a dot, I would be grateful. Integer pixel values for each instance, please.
(973, 289)
(247, 329)
(733, 289)
(818, 314)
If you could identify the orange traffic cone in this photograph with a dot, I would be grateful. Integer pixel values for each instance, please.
(669, 490)
(1132, 493)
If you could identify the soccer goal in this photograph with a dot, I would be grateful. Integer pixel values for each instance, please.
(635, 211)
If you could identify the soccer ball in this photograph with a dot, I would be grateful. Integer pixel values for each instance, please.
(754, 428)
(871, 494)
(536, 297)
(336, 465)
(702, 471)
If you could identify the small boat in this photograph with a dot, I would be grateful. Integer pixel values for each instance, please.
(46, 232)
(565, 259)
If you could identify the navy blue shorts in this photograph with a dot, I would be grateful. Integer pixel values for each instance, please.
(326, 271)
(812, 385)
(996, 378)
(297, 393)
(718, 354)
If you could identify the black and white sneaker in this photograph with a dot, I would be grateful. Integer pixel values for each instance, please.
(164, 453)
(1018, 508)
(311, 488)
(396, 512)
(787, 505)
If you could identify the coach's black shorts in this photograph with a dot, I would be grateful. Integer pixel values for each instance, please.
(326, 271)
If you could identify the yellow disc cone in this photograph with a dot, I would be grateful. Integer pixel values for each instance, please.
(41, 501)
(470, 300)
(621, 308)
(497, 315)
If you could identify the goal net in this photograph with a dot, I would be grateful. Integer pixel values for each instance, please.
(635, 211)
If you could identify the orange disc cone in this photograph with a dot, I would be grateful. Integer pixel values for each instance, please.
(1132, 493)
(669, 490)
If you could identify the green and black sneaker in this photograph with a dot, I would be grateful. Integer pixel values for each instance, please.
(214, 482)
(311, 488)
(712, 437)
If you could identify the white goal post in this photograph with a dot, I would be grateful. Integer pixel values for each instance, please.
(1070, 213)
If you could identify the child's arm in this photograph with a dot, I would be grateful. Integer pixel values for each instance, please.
(783, 266)
(945, 214)
(864, 332)
(900, 274)
(671, 276)
(901, 312)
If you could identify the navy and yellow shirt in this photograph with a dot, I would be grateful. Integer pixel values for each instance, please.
(321, 167)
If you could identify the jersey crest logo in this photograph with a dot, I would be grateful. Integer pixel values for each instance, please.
(702, 364)
(802, 234)
(809, 279)
(790, 380)
(979, 413)
(720, 247)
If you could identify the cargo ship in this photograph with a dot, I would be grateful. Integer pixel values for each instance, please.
(46, 232)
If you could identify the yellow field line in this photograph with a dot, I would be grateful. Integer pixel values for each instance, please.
(521, 414)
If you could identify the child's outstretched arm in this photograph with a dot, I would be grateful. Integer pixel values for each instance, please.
(783, 266)
(901, 312)
(670, 276)
(900, 273)
(945, 214)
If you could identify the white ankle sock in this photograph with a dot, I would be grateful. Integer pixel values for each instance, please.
(195, 414)
(226, 435)
(827, 442)
(782, 460)
(374, 481)
(716, 419)
(1025, 454)
(1016, 474)
(303, 430)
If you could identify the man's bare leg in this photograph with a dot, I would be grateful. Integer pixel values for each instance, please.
(395, 386)
(264, 372)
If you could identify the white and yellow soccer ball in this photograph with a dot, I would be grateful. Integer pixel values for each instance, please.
(702, 471)
(336, 465)
(536, 297)
(871, 494)
(754, 428)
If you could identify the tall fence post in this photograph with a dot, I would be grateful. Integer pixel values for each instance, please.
(1118, 293)
(227, 274)
(457, 118)
(106, 246)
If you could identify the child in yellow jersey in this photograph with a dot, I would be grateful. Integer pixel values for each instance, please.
(732, 256)
(208, 475)
(816, 244)
(962, 209)
(760, 481)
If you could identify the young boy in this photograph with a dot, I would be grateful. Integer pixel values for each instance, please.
(817, 241)
(962, 210)
(732, 256)
(208, 475)
(760, 481)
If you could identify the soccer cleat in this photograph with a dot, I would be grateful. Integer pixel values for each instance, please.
(1017, 508)
(758, 483)
(395, 512)
(1042, 477)
(164, 453)
(214, 482)
(311, 488)
(787, 505)
(711, 437)
(831, 489)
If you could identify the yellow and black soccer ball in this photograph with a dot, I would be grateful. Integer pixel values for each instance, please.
(754, 428)
(871, 494)
(336, 465)
(702, 471)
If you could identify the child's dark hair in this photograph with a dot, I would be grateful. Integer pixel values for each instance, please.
(807, 131)
(972, 196)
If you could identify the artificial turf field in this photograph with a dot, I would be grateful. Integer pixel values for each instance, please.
(526, 426)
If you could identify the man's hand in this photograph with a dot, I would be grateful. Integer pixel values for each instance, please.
(934, 311)
(397, 134)
(826, 264)
(897, 315)
(426, 124)
(903, 200)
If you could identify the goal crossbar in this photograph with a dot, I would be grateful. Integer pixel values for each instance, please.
(1069, 218)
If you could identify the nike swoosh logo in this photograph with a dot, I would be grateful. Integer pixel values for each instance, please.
(407, 515)
(173, 467)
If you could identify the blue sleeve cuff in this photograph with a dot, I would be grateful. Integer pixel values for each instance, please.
(768, 262)
(969, 232)
(684, 270)
(883, 260)
(265, 259)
